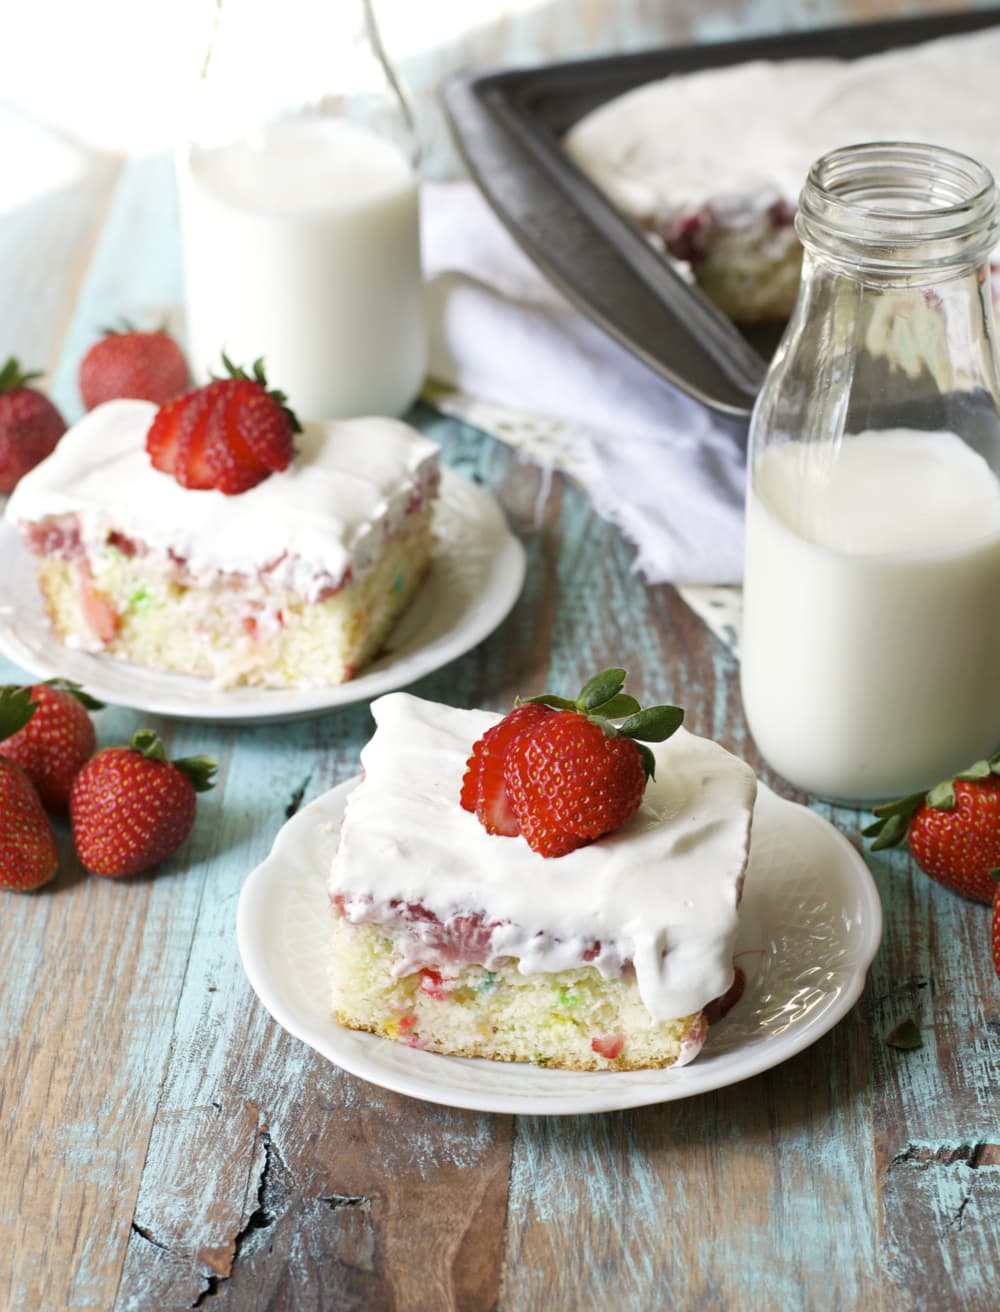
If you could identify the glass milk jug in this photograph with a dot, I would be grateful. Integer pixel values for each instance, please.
(871, 641)
(299, 209)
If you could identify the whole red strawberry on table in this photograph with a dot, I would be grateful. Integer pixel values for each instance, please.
(228, 435)
(953, 832)
(131, 807)
(56, 740)
(130, 362)
(30, 425)
(563, 773)
(28, 854)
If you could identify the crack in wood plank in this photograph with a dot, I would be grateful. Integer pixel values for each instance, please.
(956, 1221)
(149, 1237)
(272, 1202)
(297, 796)
(913, 984)
(337, 1201)
(972, 1155)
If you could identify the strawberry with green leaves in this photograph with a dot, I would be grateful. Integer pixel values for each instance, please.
(131, 807)
(28, 853)
(56, 741)
(563, 773)
(953, 830)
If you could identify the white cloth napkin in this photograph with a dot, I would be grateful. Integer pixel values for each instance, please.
(666, 470)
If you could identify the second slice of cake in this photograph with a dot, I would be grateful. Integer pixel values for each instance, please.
(294, 582)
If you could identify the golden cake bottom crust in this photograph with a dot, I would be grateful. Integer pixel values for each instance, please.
(235, 630)
(570, 1020)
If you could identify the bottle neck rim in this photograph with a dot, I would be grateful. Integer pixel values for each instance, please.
(899, 207)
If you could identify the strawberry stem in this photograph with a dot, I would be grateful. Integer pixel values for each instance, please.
(602, 701)
(199, 769)
(893, 818)
(77, 690)
(16, 709)
(259, 376)
(13, 376)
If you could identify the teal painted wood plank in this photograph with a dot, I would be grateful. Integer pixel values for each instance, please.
(189, 1149)
(235, 1077)
(86, 1038)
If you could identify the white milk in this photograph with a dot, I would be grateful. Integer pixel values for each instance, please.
(872, 612)
(301, 245)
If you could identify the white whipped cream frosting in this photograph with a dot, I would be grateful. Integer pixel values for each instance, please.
(758, 127)
(347, 488)
(662, 891)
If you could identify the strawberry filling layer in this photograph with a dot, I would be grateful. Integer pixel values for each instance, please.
(426, 943)
(62, 536)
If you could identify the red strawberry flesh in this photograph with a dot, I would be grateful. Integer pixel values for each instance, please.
(569, 783)
(229, 435)
(483, 788)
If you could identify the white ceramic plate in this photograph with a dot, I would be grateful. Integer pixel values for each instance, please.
(810, 924)
(475, 577)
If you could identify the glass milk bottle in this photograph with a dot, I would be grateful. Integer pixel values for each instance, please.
(872, 575)
(299, 209)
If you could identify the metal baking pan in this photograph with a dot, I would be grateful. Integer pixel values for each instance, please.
(508, 126)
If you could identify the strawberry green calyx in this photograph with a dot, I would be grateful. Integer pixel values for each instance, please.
(121, 329)
(86, 699)
(258, 376)
(13, 376)
(199, 769)
(905, 1036)
(893, 818)
(125, 328)
(16, 709)
(602, 701)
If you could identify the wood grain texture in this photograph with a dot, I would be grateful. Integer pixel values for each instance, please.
(164, 1144)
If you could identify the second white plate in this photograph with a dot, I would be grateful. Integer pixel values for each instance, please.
(476, 575)
(810, 924)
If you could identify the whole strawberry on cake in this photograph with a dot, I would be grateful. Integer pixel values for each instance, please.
(559, 885)
(215, 536)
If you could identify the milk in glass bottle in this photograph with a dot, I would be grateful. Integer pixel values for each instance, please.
(872, 575)
(299, 213)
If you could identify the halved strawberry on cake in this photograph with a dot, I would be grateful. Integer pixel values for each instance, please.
(215, 537)
(540, 887)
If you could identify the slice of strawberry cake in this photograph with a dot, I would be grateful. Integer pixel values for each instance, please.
(710, 163)
(540, 887)
(214, 538)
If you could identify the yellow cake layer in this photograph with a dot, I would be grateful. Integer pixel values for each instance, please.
(239, 630)
(551, 1019)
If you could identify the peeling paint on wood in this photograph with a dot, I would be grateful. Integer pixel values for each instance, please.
(163, 1144)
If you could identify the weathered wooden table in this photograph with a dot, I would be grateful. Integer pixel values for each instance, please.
(165, 1144)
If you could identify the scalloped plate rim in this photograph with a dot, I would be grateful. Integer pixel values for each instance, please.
(292, 869)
